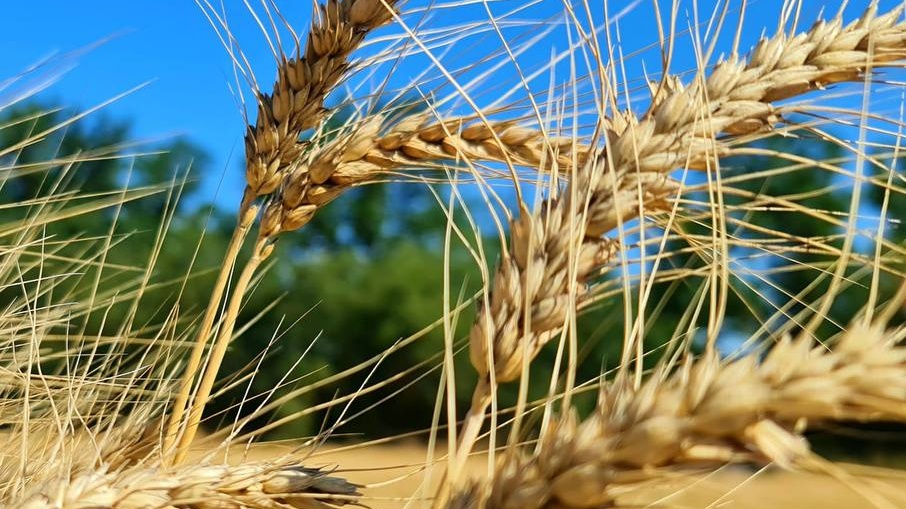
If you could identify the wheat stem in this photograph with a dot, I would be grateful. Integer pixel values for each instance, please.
(263, 249)
(248, 211)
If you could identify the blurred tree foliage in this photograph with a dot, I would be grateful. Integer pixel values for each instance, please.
(368, 272)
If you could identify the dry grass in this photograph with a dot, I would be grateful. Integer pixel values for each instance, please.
(113, 427)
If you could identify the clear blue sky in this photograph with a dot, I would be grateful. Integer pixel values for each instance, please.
(171, 44)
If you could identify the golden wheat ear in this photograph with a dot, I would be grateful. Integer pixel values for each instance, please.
(703, 416)
(296, 103)
(374, 148)
(265, 485)
(273, 147)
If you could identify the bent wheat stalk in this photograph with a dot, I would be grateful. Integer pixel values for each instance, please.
(561, 245)
(706, 414)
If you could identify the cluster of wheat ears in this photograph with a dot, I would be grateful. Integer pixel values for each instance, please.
(616, 169)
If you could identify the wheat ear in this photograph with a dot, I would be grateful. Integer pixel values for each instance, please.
(373, 147)
(251, 485)
(272, 148)
(272, 145)
(530, 298)
(704, 415)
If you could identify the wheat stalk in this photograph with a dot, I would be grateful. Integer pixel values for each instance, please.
(253, 485)
(561, 245)
(706, 414)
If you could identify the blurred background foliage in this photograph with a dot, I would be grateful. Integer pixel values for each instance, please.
(369, 271)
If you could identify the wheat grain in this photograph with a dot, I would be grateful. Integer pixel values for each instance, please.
(370, 149)
(296, 103)
(262, 485)
(705, 415)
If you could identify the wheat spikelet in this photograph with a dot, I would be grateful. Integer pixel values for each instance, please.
(680, 129)
(272, 145)
(263, 485)
(706, 414)
(370, 149)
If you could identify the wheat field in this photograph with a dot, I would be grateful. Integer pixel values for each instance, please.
(657, 203)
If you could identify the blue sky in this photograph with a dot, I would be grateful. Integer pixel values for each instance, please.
(171, 45)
